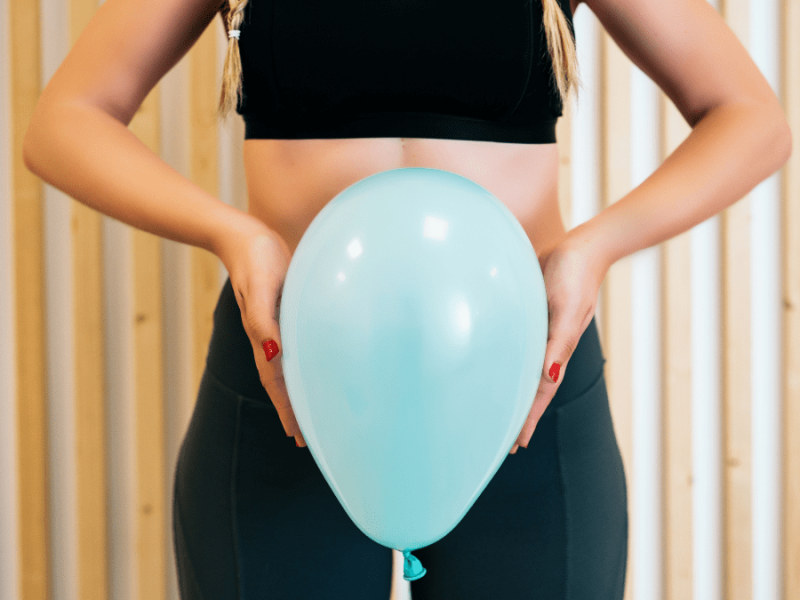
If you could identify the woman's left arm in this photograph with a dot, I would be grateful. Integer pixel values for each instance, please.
(739, 137)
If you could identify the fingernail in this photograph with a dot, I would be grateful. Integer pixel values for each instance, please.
(270, 349)
(296, 443)
(554, 369)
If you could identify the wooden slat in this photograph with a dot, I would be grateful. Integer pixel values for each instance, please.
(616, 289)
(736, 416)
(153, 553)
(677, 404)
(205, 173)
(151, 499)
(790, 219)
(88, 320)
(28, 230)
(737, 542)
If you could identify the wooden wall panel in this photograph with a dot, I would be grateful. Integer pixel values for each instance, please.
(737, 540)
(90, 423)
(88, 325)
(204, 266)
(151, 504)
(154, 577)
(790, 218)
(614, 326)
(28, 268)
(677, 406)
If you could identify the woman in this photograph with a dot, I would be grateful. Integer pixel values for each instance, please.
(333, 93)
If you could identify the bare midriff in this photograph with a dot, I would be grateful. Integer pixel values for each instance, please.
(290, 181)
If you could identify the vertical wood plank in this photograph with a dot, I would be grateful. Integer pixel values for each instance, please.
(151, 503)
(736, 452)
(28, 197)
(205, 173)
(151, 514)
(88, 320)
(677, 406)
(89, 327)
(179, 397)
(616, 288)
(737, 540)
(736, 439)
(790, 204)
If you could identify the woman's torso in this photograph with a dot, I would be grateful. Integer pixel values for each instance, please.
(290, 180)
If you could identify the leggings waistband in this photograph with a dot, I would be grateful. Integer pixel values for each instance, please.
(231, 359)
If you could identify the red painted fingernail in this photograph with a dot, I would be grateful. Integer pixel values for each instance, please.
(296, 443)
(554, 369)
(270, 349)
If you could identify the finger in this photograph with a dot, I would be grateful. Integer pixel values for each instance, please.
(540, 403)
(563, 337)
(278, 394)
(514, 449)
(262, 327)
(280, 399)
(299, 440)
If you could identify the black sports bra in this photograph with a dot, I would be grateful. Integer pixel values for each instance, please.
(398, 68)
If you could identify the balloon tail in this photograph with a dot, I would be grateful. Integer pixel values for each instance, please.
(412, 568)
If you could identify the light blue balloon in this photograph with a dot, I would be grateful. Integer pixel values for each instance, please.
(414, 326)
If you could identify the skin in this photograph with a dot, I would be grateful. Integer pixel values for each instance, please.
(78, 141)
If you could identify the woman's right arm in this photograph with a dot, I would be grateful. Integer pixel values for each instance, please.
(78, 138)
(78, 141)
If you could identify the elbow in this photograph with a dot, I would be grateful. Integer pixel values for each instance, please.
(781, 147)
(781, 138)
(777, 144)
(786, 142)
(27, 156)
(29, 147)
(37, 135)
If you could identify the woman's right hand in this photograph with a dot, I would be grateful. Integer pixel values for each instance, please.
(257, 259)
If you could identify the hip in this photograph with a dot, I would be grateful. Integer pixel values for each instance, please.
(231, 357)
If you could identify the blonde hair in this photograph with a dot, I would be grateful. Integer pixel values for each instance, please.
(232, 13)
(560, 46)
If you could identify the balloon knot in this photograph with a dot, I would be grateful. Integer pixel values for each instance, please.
(412, 568)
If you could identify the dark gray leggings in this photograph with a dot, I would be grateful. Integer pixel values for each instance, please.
(254, 518)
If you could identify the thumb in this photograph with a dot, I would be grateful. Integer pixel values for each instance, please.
(270, 337)
(263, 321)
(261, 315)
(560, 346)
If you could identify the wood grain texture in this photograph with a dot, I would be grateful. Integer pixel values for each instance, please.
(147, 320)
(677, 405)
(88, 323)
(204, 171)
(29, 281)
(615, 136)
(737, 481)
(790, 219)
(151, 520)
(90, 422)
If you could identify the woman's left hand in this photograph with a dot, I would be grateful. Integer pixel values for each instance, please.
(573, 271)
